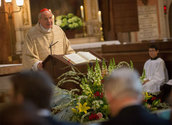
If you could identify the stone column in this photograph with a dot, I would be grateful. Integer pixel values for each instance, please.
(22, 22)
(91, 13)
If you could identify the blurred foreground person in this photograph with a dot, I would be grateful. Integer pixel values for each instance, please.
(20, 115)
(35, 87)
(123, 91)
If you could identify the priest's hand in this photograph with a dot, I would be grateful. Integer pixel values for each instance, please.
(40, 66)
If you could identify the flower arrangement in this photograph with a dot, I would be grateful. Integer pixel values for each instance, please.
(91, 105)
(152, 102)
(69, 21)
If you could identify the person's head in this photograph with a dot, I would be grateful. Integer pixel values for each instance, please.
(45, 18)
(122, 87)
(153, 51)
(35, 87)
(24, 114)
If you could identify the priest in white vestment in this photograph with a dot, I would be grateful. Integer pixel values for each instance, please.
(39, 39)
(156, 72)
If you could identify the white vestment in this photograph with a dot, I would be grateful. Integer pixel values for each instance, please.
(156, 73)
(37, 43)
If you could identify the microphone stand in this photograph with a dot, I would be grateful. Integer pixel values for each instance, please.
(51, 45)
(52, 62)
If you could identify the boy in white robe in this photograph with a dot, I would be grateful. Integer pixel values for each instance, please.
(156, 72)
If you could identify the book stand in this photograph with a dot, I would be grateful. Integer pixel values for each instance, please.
(56, 65)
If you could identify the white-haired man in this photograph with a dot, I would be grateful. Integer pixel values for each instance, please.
(123, 91)
(39, 39)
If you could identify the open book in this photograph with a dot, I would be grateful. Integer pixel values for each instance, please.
(81, 57)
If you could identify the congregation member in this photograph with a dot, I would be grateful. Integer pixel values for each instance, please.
(155, 70)
(42, 40)
(123, 92)
(35, 87)
(20, 114)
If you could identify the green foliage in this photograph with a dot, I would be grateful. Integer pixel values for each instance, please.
(71, 76)
(91, 105)
(131, 65)
(112, 65)
(152, 102)
(143, 76)
(69, 21)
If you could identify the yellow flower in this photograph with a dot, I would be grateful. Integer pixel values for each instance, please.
(147, 96)
(82, 108)
(74, 110)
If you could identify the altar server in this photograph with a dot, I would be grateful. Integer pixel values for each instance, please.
(42, 40)
(156, 72)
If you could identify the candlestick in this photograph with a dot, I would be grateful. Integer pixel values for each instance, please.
(101, 33)
(84, 29)
(82, 12)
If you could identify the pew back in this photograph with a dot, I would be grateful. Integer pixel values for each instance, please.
(138, 53)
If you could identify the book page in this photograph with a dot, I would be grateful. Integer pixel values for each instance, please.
(75, 58)
(88, 56)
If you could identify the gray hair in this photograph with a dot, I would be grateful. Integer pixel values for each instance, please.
(123, 82)
(40, 14)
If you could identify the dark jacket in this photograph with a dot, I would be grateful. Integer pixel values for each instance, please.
(135, 115)
(52, 121)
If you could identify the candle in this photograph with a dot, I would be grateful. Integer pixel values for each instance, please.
(82, 12)
(19, 2)
(100, 16)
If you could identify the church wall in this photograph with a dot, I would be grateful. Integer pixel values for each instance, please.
(152, 22)
(169, 3)
(164, 27)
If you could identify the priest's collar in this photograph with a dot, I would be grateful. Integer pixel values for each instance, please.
(45, 30)
(154, 58)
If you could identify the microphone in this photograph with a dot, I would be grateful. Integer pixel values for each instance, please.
(51, 45)
(52, 61)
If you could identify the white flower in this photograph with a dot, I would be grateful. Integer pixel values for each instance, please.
(58, 22)
(96, 104)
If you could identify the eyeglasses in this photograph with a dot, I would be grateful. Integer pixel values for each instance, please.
(152, 50)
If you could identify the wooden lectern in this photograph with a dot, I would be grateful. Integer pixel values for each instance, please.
(56, 65)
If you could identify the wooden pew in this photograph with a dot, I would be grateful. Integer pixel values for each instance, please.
(138, 53)
(135, 47)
